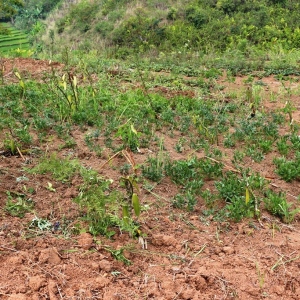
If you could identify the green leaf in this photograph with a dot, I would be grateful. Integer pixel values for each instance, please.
(247, 196)
(125, 212)
(136, 204)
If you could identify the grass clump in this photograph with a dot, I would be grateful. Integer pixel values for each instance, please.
(277, 204)
(61, 169)
(18, 205)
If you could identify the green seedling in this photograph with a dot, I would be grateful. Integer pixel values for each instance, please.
(261, 276)
(185, 201)
(288, 170)
(21, 84)
(17, 204)
(154, 167)
(277, 204)
(283, 146)
(119, 255)
(10, 145)
(50, 187)
(41, 224)
(130, 136)
(62, 169)
(131, 200)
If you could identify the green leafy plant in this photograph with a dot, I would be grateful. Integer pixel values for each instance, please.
(41, 224)
(209, 198)
(130, 136)
(277, 204)
(18, 204)
(238, 156)
(118, 254)
(283, 146)
(131, 202)
(181, 171)
(9, 145)
(154, 167)
(210, 168)
(288, 170)
(62, 169)
(230, 187)
(238, 208)
(186, 200)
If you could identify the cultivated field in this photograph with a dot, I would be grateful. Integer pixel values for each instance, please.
(136, 181)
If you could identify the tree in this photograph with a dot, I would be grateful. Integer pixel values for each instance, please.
(9, 8)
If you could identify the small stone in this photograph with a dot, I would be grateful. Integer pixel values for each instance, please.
(169, 240)
(22, 288)
(277, 289)
(152, 289)
(167, 285)
(175, 270)
(110, 295)
(100, 282)
(85, 241)
(188, 294)
(69, 293)
(52, 290)
(35, 297)
(170, 295)
(200, 282)
(70, 193)
(94, 266)
(228, 250)
(49, 255)
(105, 265)
(36, 282)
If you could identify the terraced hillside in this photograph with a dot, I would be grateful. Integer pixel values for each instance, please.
(14, 40)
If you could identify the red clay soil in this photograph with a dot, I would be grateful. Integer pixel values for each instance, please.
(188, 255)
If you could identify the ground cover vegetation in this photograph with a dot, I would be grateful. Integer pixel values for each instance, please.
(153, 109)
(204, 125)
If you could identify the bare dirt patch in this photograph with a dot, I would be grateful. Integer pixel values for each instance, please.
(28, 68)
(188, 255)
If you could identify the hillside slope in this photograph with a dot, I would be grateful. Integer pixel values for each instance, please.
(152, 26)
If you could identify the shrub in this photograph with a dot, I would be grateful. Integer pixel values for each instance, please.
(83, 14)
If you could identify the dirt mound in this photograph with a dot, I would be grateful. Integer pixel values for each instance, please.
(26, 67)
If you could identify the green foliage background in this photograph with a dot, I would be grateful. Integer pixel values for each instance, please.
(152, 26)
(199, 25)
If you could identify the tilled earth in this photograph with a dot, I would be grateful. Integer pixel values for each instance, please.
(184, 255)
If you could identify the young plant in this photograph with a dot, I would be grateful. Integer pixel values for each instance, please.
(210, 168)
(17, 204)
(21, 84)
(239, 208)
(41, 224)
(277, 204)
(62, 169)
(154, 168)
(10, 146)
(130, 136)
(283, 146)
(288, 170)
(131, 202)
(185, 200)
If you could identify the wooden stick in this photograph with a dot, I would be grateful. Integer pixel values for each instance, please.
(21, 154)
